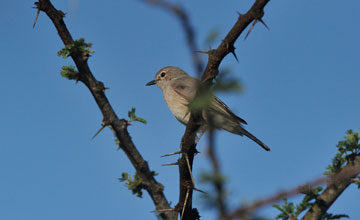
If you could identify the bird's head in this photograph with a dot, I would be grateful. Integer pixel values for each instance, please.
(165, 75)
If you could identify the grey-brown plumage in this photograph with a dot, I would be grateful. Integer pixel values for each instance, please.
(179, 89)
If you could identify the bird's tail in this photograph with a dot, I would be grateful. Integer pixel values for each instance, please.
(242, 131)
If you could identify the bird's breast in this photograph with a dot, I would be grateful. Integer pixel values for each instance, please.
(177, 105)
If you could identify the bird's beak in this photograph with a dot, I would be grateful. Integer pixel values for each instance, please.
(152, 82)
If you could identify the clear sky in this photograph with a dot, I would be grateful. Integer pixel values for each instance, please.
(301, 93)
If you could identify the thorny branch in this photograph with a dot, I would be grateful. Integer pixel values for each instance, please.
(248, 209)
(119, 126)
(336, 184)
(188, 145)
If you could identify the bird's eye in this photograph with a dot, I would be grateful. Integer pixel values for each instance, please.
(162, 74)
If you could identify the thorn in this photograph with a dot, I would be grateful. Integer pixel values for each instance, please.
(188, 165)
(233, 53)
(232, 50)
(238, 13)
(37, 14)
(204, 52)
(186, 198)
(262, 22)
(102, 127)
(252, 26)
(62, 13)
(164, 210)
(196, 189)
(170, 154)
(169, 164)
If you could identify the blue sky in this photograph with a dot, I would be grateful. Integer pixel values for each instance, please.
(301, 93)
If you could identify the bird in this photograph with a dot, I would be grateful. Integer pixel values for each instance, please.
(179, 89)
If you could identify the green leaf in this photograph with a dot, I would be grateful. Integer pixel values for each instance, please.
(349, 146)
(69, 72)
(134, 117)
(287, 210)
(131, 114)
(134, 184)
(77, 46)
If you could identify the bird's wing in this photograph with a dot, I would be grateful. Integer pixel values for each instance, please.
(185, 87)
(219, 107)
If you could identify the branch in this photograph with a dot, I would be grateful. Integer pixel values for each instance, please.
(335, 187)
(188, 145)
(248, 209)
(119, 126)
(181, 14)
(256, 12)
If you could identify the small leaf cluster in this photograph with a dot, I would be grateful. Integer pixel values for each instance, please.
(223, 84)
(69, 72)
(289, 211)
(77, 46)
(134, 184)
(134, 117)
(346, 148)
